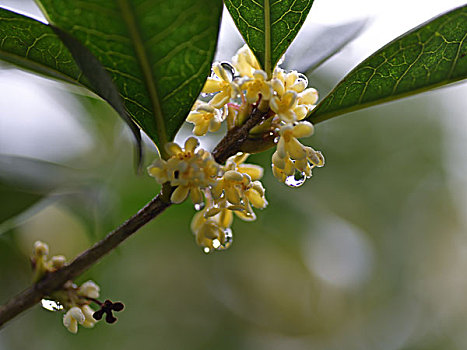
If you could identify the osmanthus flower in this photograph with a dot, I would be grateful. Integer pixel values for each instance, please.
(211, 227)
(206, 118)
(223, 84)
(255, 85)
(291, 155)
(285, 105)
(245, 62)
(190, 171)
(72, 317)
(240, 187)
(292, 101)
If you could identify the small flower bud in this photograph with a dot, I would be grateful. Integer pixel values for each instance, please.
(41, 248)
(57, 262)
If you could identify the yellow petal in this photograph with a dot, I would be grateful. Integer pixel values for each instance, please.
(172, 148)
(295, 149)
(278, 86)
(180, 194)
(225, 218)
(308, 97)
(197, 221)
(289, 99)
(278, 161)
(220, 99)
(256, 199)
(246, 216)
(233, 175)
(253, 170)
(196, 196)
(191, 143)
(303, 129)
(201, 129)
(232, 195)
(213, 85)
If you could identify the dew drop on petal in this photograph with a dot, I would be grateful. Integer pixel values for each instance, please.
(199, 206)
(295, 180)
(228, 238)
(216, 244)
(51, 305)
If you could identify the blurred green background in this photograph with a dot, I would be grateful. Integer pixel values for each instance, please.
(371, 253)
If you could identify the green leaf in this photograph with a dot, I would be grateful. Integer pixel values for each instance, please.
(268, 26)
(317, 43)
(37, 47)
(157, 53)
(34, 46)
(426, 57)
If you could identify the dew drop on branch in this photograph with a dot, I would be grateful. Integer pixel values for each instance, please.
(51, 305)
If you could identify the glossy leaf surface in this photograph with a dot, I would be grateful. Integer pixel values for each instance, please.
(426, 57)
(268, 26)
(158, 53)
(40, 48)
(34, 46)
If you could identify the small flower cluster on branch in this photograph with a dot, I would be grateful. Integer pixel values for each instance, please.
(220, 191)
(71, 298)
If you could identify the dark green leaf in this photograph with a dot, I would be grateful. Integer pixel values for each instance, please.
(268, 26)
(158, 53)
(426, 57)
(35, 46)
(102, 84)
(316, 43)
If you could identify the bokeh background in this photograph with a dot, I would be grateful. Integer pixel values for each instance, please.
(371, 253)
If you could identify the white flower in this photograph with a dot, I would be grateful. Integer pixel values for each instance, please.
(72, 318)
(89, 320)
(89, 289)
(206, 118)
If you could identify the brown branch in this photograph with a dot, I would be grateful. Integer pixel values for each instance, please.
(228, 146)
(233, 141)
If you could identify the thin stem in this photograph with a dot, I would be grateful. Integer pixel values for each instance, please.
(228, 146)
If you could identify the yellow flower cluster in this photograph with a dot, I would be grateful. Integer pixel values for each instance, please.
(237, 190)
(187, 169)
(235, 89)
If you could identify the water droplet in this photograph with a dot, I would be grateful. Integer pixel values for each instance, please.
(51, 305)
(207, 250)
(276, 139)
(216, 244)
(228, 238)
(199, 206)
(295, 180)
